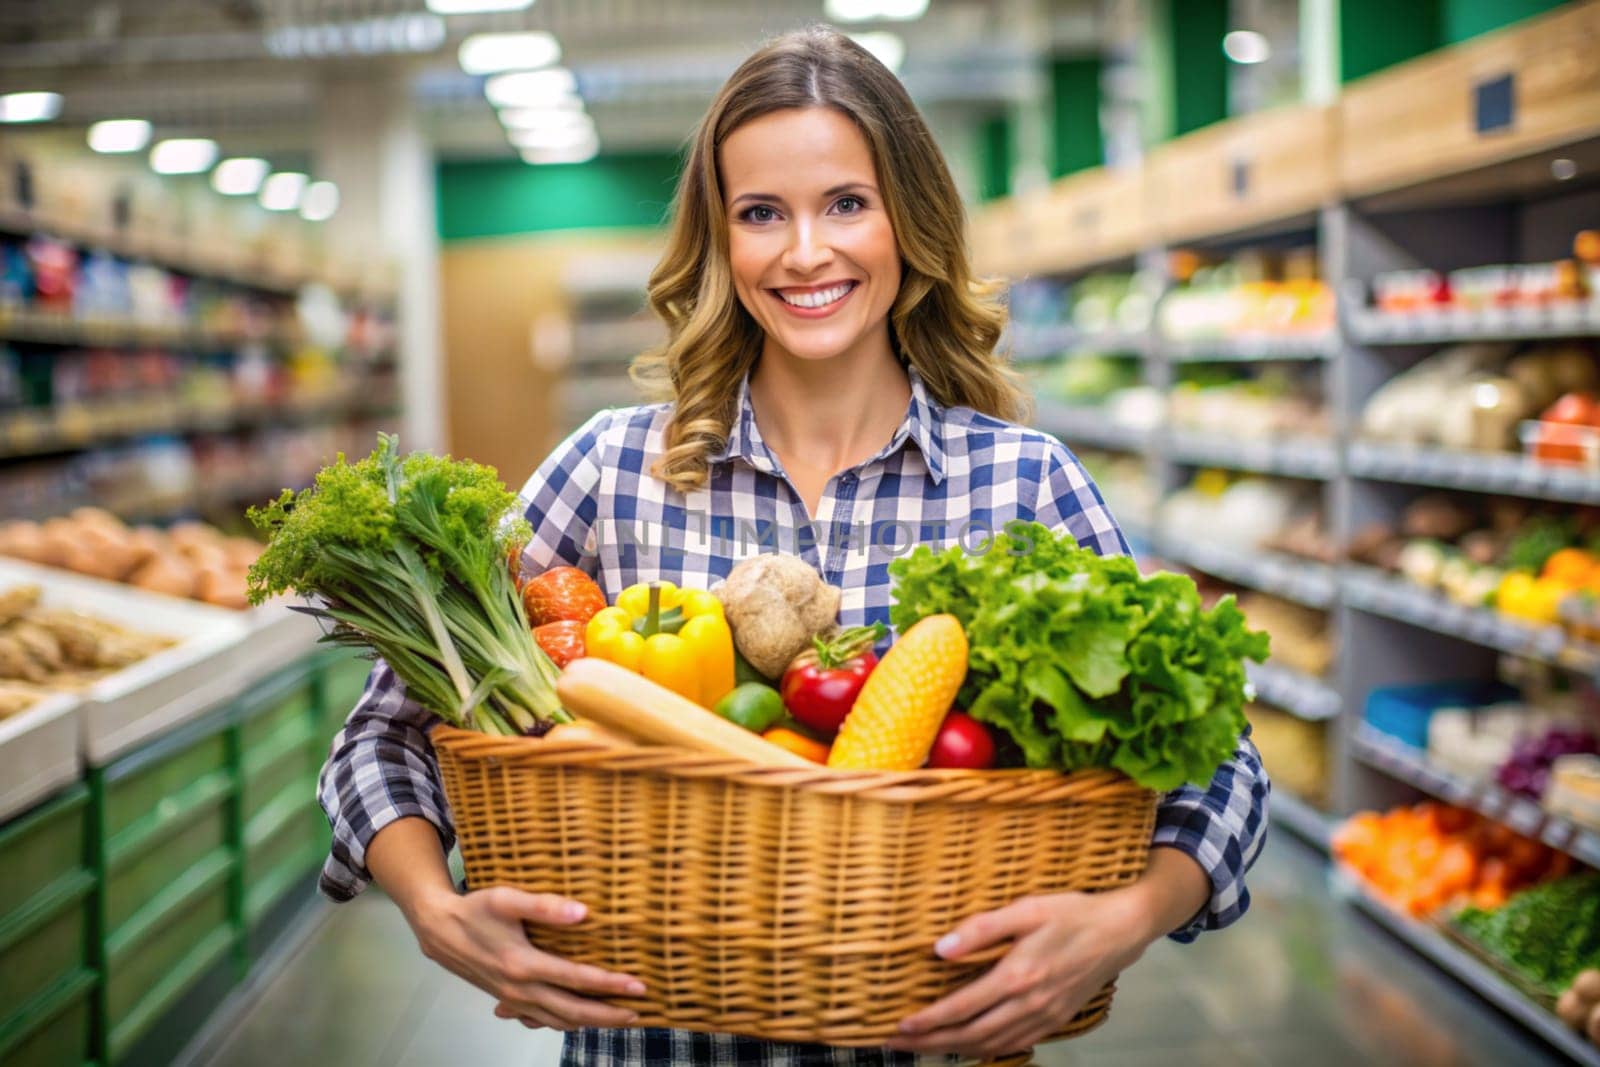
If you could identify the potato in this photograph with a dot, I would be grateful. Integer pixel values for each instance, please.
(1588, 985)
(22, 540)
(242, 551)
(170, 574)
(1571, 1009)
(775, 604)
(99, 518)
(223, 586)
(1594, 1025)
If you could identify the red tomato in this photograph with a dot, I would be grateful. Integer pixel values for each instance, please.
(820, 686)
(562, 641)
(963, 743)
(561, 594)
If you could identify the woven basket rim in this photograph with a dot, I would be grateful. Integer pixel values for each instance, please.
(1004, 785)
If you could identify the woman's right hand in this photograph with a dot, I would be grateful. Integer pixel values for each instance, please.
(479, 936)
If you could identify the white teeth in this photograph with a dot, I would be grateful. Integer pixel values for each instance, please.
(821, 298)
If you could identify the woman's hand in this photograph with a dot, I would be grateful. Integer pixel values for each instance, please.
(480, 937)
(1066, 948)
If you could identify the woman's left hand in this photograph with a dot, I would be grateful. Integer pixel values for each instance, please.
(1067, 947)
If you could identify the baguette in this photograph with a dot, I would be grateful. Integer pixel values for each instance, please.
(634, 706)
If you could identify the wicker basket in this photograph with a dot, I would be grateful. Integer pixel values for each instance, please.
(782, 903)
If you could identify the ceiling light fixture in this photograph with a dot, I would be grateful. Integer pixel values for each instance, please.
(889, 48)
(866, 10)
(553, 137)
(29, 107)
(320, 201)
(528, 118)
(281, 191)
(492, 53)
(476, 7)
(580, 153)
(183, 155)
(530, 88)
(240, 176)
(1246, 46)
(119, 135)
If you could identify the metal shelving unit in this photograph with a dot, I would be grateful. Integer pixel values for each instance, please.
(1286, 457)
(1302, 581)
(1478, 472)
(1369, 327)
(1089, 426)
(1256, 349)
(1299, 694)
(1300, 818)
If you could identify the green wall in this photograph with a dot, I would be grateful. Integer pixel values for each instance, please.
(1199, 66)
(1374, 34)
(995, 144)
(1075, 143)
(491, 199)
(1464, 19)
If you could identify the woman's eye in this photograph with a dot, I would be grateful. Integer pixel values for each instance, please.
(760, 213)
(848, 205)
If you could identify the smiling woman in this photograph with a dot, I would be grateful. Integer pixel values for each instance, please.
(830, 369)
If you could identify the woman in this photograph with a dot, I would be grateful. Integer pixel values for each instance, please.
(833, 387)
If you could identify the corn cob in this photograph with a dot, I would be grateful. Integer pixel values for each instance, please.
(895, 718)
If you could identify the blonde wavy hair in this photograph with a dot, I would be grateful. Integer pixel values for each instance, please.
(944, 322)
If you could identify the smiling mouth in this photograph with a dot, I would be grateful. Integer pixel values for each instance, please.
(816, 299)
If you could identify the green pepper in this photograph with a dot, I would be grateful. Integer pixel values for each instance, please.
(752, 705)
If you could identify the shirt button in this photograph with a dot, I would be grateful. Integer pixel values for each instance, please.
(847, 479)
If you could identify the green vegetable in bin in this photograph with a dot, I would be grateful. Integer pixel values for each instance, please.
(752, 705)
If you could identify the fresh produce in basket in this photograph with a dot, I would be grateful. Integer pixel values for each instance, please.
(644, 711)
(676, 637)
(561, 594)
(1083, 662)
(755, 706)
(822, 683)
(798, 743)
(407, 557)
(903, 703)
(963, 743)
(776, 604)
(562, 641)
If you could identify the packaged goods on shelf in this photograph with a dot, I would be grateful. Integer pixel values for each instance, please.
(1254, 295)
(1125, 483)
(1052, 317)
(1272, 404)
(1245, 512)
(1294, 752)
(1302, 638)
(1476, 396)
(1573, 790)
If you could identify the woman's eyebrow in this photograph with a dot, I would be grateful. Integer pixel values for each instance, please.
(837, 190)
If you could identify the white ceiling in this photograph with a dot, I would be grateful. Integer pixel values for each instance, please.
(646, 67)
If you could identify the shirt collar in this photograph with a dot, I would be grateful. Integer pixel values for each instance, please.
(922, 425)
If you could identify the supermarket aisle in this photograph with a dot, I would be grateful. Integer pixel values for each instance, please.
(1303, 981)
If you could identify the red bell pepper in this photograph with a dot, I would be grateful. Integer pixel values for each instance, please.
(820, 686)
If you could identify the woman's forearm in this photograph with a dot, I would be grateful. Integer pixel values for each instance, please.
(408, 861)
(1172, 891)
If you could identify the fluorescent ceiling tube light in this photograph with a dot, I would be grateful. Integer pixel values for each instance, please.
(281, 192)
(491, 53)
(29, 107)
(530, 88)
(183, 155)
(564, 108)
(119, 135)
(576, 154)
(889, 48)
(476, 7)
(1246, 46)
(320, 202)
(866, 10)
(240, 176)
(532, 119)
(552, 137)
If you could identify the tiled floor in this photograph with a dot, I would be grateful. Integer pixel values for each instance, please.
(1301, 981)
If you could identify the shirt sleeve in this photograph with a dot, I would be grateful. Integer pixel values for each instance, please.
(1069, 499)
(381, 766)
(1223, 826)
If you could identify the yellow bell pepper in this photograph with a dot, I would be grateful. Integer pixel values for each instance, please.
(677, 638)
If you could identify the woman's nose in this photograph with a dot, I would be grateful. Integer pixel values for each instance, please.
(807, 251)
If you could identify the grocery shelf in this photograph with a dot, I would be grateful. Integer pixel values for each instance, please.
(1467, 968)
(1034, 343)
(1084, 425)
(1526, 817)
(1301, 695)
(1302, 581)
(1252, 349)
(1505, 473)
(23, 436)
(47, 328)
(1299, 817)
(1289, 457)
(1370, 327)
(1375, 591)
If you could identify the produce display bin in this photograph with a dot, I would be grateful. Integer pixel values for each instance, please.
(280, 750)
(45, 897)
(160, 692)
(168, 850)
(278, 637)
(38, 752)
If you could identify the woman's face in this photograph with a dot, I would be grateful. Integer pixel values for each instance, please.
(813, 255)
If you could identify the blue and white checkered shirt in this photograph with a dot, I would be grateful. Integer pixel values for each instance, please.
(948, 475)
